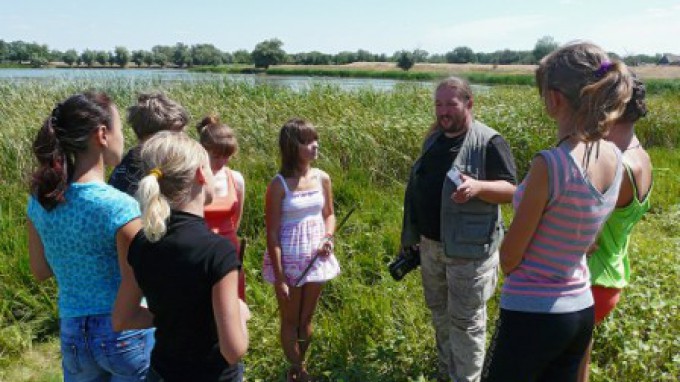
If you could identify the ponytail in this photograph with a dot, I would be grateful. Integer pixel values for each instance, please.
(216, 136)
(637, 106)
(155, 207)
(65, 133)
(50, 179)
(596, 88)
(170, 160)
(603, 102)
(205, 122)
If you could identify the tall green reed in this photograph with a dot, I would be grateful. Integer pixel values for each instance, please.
(368, 327)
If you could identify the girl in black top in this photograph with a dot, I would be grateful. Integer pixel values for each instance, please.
(187, 273)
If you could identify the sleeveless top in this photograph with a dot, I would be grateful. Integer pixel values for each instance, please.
(302, 229)
(221, 215)
(609, 264)
(553, 274)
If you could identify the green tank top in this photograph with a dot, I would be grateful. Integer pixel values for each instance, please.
(609, 265)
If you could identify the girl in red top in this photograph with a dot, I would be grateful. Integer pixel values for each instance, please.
(223, 215)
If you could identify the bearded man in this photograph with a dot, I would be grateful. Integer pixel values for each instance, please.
(452, 213)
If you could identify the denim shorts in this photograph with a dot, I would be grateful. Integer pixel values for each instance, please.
(92, 351)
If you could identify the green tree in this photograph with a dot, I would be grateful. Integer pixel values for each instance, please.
(18, 51)
(365, 56)
(311, 58)
(345, 57)
(543, 47)
(137, 57)
(39, 55)
(70, 57)
(639, 59)
(461, 55)
(38, 60)
(267, 53)
(181, 55)
(55, 55)
(102, 57)
(148, 58)
(160, 59)
(206, 54)
(508, 56)
(437, 58)
(4, 51)
(122, 56)
(405, 59)
(162, 54)
(420, 55)
(242, 56)
(88, 56)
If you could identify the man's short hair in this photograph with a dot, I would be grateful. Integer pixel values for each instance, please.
(156, 112)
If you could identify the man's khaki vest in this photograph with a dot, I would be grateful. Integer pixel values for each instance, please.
(471, 230)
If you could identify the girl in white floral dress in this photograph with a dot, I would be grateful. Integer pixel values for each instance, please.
(300, 225)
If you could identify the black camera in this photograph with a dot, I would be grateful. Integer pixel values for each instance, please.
(407, 260)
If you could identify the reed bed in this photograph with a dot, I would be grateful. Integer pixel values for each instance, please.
(368, 327)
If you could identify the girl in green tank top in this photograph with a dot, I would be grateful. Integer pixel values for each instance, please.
(608, 263)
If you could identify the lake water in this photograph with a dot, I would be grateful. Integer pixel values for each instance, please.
(173, 75)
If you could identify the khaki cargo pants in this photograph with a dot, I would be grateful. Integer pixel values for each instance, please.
(456, 291)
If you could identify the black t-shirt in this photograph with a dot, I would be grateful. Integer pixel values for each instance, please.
(176, 275)
(500, 165)
(126, 176)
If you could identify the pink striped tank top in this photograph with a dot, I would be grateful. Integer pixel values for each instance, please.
(553, 276)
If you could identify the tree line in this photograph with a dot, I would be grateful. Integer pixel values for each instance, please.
(271, 52)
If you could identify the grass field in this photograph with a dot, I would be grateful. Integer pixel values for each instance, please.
(368, 327)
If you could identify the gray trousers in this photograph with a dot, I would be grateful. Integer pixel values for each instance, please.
(456, 291)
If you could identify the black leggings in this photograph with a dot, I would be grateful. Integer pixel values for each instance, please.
(538, 347)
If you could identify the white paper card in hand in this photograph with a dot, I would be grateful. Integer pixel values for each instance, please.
(454, 175)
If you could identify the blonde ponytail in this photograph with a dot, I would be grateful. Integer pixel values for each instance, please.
(155, 208)
(170, 159)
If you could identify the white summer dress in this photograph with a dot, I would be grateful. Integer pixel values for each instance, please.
(301, 232)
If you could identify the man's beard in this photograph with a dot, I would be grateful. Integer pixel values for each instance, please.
(456, 124)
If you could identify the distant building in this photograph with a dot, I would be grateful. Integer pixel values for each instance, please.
(669, 59)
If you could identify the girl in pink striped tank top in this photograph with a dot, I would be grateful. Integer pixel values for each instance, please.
(546, 318)
(300, 225)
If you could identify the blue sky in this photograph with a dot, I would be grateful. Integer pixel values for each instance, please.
(438, 26)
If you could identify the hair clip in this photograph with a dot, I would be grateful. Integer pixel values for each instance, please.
(156, 173)
(604, 68)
